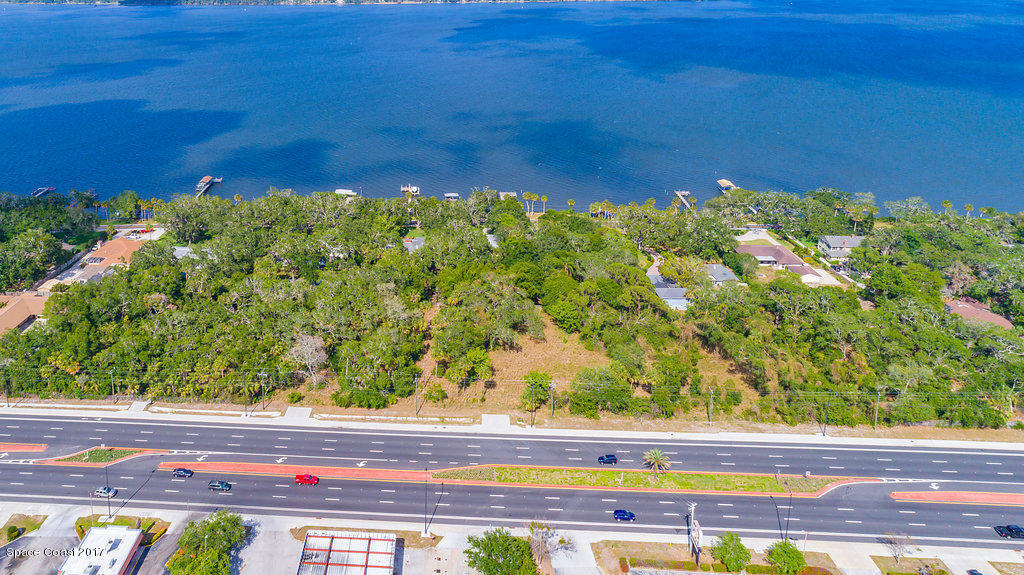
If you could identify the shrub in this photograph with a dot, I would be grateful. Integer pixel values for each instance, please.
(13, 532)
(623, 565)
(760, 569)
(719, 568)
(294, 397)
(435, 394)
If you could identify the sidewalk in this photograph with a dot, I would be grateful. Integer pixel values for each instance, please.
(501, 424)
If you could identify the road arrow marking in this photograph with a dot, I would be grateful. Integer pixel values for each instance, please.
(281, 459)
(934, 486)
(202, 458)
(361, 464)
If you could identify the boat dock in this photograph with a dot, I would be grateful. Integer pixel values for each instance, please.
(684, 196)
(725, 185)
(206, 183)
(410, 190)
(40, 192)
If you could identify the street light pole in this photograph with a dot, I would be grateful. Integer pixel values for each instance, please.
(106, 476)
(425, 526)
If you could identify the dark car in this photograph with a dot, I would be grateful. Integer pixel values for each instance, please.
(181, 472)
(609, 459)
(1002, 531)
(219, 485)
(306, 479)
(1016, 531)
(973, 572)
(623, 515)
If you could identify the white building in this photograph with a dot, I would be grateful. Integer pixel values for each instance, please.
(107, 550)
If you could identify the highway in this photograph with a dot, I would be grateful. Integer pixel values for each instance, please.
(859, 512)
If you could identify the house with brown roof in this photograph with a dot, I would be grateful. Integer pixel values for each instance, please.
(22, 310)
(976, 313)
(776, 256)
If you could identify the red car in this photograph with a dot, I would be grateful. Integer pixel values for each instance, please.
(306, 479)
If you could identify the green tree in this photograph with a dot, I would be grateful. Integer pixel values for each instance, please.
(497, 552)
(657, 461)
(786, 558)
(537, 391)
(206, 546)
(731, 552)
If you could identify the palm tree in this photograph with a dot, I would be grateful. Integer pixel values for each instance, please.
(544, 199)
(571, 203)
(676, 202)
(968, 208)
(657, 461)
(948, 205)
(238, 198)
(595, 208)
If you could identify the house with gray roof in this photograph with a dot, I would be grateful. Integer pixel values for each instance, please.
(720, 274)
(838, 247)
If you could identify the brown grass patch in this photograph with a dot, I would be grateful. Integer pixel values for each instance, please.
(908, 564)
(1008, 568)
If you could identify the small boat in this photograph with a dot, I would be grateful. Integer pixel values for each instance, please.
(40, 192)
(725, 185)
(206, 183)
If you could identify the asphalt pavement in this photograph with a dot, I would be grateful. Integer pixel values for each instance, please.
(859, 512)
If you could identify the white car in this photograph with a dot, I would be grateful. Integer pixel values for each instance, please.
(105, 491)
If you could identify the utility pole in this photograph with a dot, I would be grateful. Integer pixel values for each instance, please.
(113, 392)
(693, 525)
(263, 391)
(711, 405)
(875, 426)
(425, 524)
(551, 398)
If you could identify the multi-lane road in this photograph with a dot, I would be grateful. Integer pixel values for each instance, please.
(862, 511)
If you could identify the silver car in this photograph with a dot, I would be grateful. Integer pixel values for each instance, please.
(105, 491)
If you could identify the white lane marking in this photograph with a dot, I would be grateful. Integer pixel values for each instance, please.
(939, 461)
(495, 495)
(785, 506)
(193, 434)
(67, 485)
(845, 509)
(279, 485)
(575, 459)
(497, 507)
(725, 504)
(892, 468)
(238, 436)
(331, 440)
(424, 453)
(827, 457)
(16, 483)
(96, 438)
(141, 440)
(667, 502)
(781, 465)
(127, 478)
(326, 449)
(377, 442)
(880, 459)
(730, 517)
(982, 527)
(178, 480)
(49, 437)
(24, 473)
(170, 491)
(279, 496)
(571, 449)
(474, 455)
(553, 498)
(992, 463)
(609, 500)
(473, 446)
(724, 454)
(671, 514)
(775, 456)
(916, 524)
(622, 451)
(1004, 473)
(331, 499)
(234, 445)
(13, 427)
(671, 453)
(56, 428)
(554, 508)
(836, 467)
(852, 521)
(147, 432)
(376, 451)
(907, 512)
(76, 475)
(523, 457)
(335, 488)
(969, 514)
(949, 471)
(188, 442)
(102, 430)
(284, 438)
(727, 463)
(443, 504)
(427, 444)
(631, 461)
(280, 447)
(387, 490)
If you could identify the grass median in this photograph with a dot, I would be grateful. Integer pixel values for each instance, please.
(99, 455)
(638, 479)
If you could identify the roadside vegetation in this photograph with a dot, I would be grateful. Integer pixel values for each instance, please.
(153, 528)
(18, 525)
(207, 545)
(639, 479)
(316, 299)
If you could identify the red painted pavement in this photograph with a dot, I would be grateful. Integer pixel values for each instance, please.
(22, 447)
(975, 497)
(282, 469)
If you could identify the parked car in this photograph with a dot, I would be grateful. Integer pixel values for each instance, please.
(219, 485)
(623, 515)
(306, 479)
(105, 491)
(181, 472)
(609, 459)
(973, 572)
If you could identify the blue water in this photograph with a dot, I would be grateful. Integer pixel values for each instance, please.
(621, 101)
